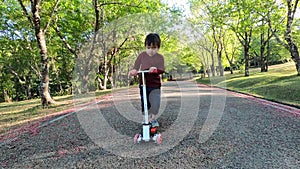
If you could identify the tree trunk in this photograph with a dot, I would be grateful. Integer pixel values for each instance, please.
(220, 51)
(28, 86)
(268, 51)
(99, 80)
(105, 72)
(247, 60)
(247, 40)
(295, 54)
(85, 78)
(262, 51)
(7, 97)
(230, 60)
(263, 44)
(231, 68)
(221, 69)
(212, 67)
(218, 41)
(40, 35)
(292, 6)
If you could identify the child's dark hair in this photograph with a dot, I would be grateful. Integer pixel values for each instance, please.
(152, 39)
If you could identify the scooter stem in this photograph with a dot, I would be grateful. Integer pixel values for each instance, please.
(145, 95)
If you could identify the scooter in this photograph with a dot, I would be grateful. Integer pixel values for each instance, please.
(148, 131)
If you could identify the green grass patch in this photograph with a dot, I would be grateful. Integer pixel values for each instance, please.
(280, 83)
(15, 114)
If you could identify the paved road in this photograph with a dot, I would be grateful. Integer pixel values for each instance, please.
(202, 127)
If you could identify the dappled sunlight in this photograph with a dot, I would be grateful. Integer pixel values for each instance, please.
(5, 105)
(17, 108)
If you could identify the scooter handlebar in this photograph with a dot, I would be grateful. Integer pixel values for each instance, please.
(143, 71)
(147, 71)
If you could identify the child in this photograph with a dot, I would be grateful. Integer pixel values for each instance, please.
(154, 62)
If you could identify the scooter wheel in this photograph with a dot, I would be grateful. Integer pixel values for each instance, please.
(159, 139)
(136, 137)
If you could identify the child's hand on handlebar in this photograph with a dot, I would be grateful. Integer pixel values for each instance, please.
(152, 70)
(133, 72)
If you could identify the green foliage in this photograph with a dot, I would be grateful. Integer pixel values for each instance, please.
(237, 19)
(296, 31)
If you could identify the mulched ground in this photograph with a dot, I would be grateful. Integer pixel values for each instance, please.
(250, 134)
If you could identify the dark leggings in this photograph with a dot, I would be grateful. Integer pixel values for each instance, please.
(153, 99)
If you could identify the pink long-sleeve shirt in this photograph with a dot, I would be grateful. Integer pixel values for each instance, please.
(144, 62)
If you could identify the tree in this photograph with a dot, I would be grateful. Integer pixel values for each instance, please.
(40, 32)
(289, 37)
(291, 45)
(217, 18)
(205, 45)
(104, 43)
(230, 48)
(267, 11)
(244, 19)
(18, 68)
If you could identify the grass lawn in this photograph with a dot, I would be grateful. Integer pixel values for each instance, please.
(280, 83)
(15, 114)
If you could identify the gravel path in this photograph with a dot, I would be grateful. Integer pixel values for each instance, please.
(247, 134)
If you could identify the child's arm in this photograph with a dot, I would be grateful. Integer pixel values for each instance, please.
(161, 66)
(136, 66)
